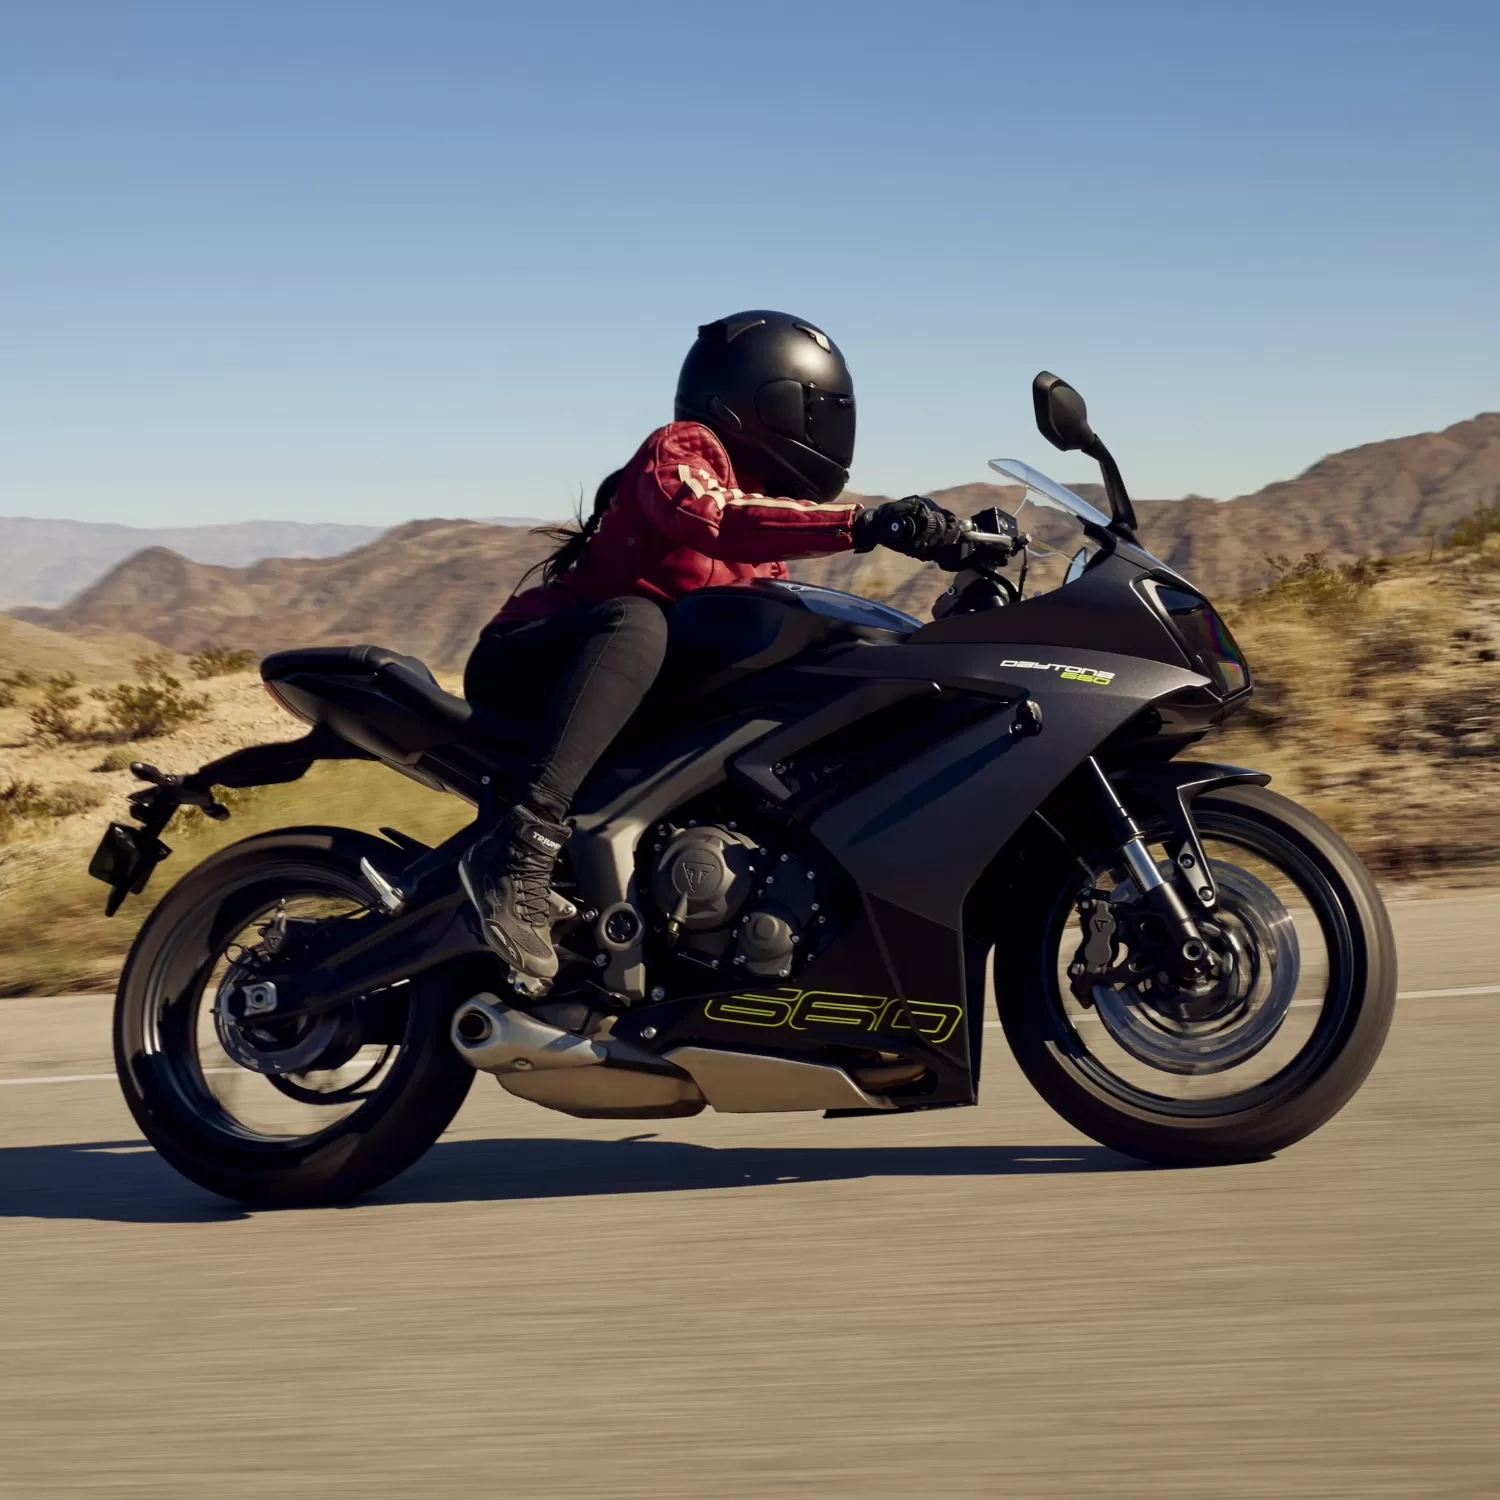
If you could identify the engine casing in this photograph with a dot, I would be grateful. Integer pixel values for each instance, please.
(728, 899)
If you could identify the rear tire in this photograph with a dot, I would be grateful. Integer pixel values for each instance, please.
(161, 992)
(1261, 1121)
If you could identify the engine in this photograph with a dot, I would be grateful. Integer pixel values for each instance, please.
(728, 900)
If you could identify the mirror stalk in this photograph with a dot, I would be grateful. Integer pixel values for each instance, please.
(1120, 507)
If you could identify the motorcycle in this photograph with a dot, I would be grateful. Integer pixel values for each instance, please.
(783, 887)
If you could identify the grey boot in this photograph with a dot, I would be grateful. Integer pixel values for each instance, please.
(508, 876)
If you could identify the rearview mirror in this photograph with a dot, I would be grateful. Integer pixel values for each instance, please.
(1061, 416)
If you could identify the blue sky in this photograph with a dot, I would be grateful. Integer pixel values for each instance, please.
(359, 260)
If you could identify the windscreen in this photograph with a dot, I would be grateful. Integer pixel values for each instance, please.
(1040, 490)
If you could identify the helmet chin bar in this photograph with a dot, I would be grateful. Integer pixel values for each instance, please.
(808, 466)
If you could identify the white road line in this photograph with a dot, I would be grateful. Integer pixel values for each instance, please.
(85, 1077)
(1469, 992)
(1473, 989)
(58, 1078)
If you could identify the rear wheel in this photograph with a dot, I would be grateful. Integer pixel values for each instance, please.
(279, 1114)
(1234, 1069)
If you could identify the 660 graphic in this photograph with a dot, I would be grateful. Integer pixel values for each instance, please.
(803, 1009)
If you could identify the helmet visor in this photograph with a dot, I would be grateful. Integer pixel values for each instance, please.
(829, 421)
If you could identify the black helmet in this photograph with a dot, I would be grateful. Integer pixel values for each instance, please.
(776, 389)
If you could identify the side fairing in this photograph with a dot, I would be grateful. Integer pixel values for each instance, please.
(921, 836)
(917, 841)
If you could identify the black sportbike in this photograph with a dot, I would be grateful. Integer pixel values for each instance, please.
(783, 886)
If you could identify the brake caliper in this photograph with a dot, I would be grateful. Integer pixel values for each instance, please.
(1094, 962)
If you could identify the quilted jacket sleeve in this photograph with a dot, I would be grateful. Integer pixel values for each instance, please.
(689, 493)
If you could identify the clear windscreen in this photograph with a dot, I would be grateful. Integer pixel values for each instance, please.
(1054, 517)
(1048, 493)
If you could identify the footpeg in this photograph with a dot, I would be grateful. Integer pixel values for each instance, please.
(391, 899)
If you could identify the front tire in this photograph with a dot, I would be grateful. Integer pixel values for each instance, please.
(179, 1102)
(1124, 1112)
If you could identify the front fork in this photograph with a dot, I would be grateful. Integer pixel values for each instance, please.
(1190, 956)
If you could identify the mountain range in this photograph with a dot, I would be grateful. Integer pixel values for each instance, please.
(428, 586)
(45, 563)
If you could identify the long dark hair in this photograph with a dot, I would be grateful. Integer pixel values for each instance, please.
(573, 541)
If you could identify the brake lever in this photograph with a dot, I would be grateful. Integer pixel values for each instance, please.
(976, 547)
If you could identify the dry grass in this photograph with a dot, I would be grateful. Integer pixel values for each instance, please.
(54, 936)
(1377, 706)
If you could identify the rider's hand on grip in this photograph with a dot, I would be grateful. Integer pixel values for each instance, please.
(915, 527)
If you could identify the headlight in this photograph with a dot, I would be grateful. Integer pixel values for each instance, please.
(1204, 636)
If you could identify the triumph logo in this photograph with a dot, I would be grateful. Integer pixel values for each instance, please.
(697, 874)
(1091, 676)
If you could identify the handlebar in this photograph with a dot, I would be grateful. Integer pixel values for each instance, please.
(906, 530)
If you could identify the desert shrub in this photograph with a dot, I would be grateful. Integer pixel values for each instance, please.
(157, 704)
(220, 661)
(1473, 530)
(24, 802)
(114, 760)
(1399, 642)
(1454, 724)
(54, 717)
(1319, 586)
(13, 686)
(1270, 706)
(73, 797)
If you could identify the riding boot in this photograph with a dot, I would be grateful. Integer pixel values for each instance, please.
(508, 877)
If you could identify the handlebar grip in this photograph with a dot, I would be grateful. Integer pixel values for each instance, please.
(901, 534)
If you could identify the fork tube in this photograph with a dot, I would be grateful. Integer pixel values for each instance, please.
(1157, 893)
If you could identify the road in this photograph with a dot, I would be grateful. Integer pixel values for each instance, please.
(972, 1303)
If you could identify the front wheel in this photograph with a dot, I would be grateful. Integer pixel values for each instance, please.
(1236, 1069)
(278, 1114)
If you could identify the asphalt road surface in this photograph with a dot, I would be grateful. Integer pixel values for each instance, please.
(972, 1303)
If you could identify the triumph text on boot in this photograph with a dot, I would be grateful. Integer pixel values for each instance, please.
(508, 877)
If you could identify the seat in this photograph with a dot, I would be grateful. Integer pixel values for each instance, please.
(339, 661)
(405, 678)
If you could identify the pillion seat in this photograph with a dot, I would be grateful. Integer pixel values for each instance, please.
(317, 682)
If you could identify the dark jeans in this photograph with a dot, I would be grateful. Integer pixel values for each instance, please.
(575, 677)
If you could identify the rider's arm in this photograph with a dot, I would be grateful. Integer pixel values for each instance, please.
(689, 494)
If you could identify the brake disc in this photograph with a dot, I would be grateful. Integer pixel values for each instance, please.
(1225, 1022)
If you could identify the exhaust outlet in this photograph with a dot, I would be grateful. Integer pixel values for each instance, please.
(472, 1026)
(495, 1038)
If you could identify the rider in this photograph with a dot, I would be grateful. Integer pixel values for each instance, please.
(747, 475)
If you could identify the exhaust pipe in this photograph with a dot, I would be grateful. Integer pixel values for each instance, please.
(495, 1038)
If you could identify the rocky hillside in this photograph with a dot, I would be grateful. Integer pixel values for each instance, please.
(428, 586)
(49, 653)
(47, 562)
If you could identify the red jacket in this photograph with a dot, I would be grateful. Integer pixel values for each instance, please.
(679, 521)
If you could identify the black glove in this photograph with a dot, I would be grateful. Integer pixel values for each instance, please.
(915, 526)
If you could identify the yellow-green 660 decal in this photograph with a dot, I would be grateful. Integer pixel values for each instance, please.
(801, 1009)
